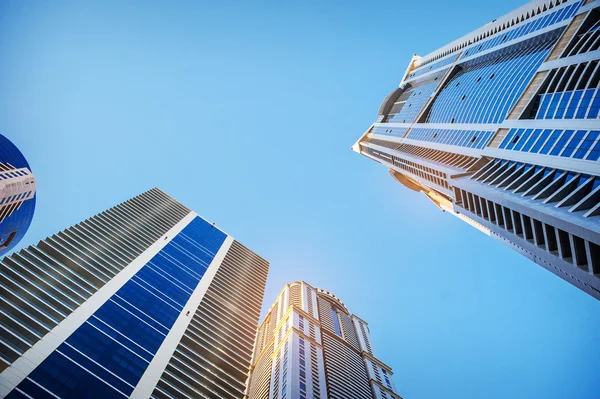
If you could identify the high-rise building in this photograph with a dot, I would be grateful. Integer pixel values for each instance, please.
(501, 129)
(17, 195)
(310, 346)
(143, 300)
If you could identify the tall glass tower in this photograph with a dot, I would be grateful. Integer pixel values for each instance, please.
(310, 346)
(17, 195)
(500, 128)
(146, 299)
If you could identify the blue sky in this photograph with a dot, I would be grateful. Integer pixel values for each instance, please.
(246, 113)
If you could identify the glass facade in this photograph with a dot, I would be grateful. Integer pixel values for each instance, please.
(540, 23)
(485, 90)
(578, 144)
(108, 354)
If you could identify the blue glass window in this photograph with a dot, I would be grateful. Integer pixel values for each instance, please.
(472, 96)
(586, 144)
(574, 143)
(543, 137)
(550, 143)
(562, 142)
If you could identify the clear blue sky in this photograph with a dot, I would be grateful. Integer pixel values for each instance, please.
(246, 114)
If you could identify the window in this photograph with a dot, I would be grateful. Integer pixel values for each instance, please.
(336, 321)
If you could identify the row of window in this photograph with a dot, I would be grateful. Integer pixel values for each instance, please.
(578, 144)
(13, 173)
(579, 104)
(285, 371)
(316, 386)
(462, 138)
(486, 90)
(568, 92)
(405, 165)
(4, 166)
(568, 247)
(538, 24)
(389, 131)
(276, 373)
(399, 161)
(18, 197)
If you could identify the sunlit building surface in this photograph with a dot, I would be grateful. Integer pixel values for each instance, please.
(17, 195)
(310, 346)
(146, 299)
(501, 129)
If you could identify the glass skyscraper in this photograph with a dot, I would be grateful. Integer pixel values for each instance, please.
(310, 346)
(146, 299)
(17, 195)
(500, 128)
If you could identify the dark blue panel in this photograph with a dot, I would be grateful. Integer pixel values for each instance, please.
(130, 326)
(120, 338)
(66, 380)
(105, 351)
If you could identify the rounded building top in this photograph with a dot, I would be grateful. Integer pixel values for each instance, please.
(17, 195)
(332, 298)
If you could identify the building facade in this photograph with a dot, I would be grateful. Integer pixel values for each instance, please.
(310, 346)
(500, 128)
(17, 195)
(143, 300)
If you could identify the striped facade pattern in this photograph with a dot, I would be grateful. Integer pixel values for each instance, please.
(310, 346)
(213, 356)
(532, 78)
(148, 242)
(43, 284)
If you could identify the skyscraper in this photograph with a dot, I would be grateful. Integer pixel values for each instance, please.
(146, 299)
(17, 195)
(310, 346)
(501, 129)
